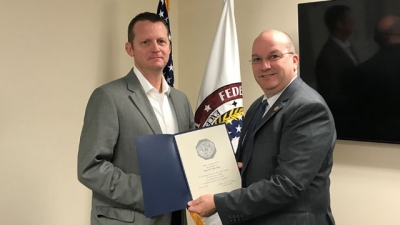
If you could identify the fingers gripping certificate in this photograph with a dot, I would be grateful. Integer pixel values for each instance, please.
(177, 168)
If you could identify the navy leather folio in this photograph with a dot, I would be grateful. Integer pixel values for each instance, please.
(165, 188)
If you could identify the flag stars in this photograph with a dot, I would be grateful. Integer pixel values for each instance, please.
(238, 128)
(168, 69)
(207, 108)
(234, 103)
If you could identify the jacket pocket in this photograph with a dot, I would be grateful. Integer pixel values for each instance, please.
(124, 215)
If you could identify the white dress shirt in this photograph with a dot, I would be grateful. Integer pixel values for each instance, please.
(272, 100)
(161, 103)
(346, 48)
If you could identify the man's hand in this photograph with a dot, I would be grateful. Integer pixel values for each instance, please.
(203, 205)
(240, 165)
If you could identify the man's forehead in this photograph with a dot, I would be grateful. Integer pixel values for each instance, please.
(267, 49)
(144, 30)
(260, 54)
(146, 24)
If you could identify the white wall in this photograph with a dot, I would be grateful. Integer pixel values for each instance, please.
(53, 53)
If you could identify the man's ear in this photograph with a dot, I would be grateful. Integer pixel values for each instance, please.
(295, 59)
(129, 49)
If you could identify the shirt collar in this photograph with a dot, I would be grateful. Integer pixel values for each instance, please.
(272, 100)
(148, 87)
(345, 44)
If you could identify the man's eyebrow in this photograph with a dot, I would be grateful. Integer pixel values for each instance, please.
(274, 52)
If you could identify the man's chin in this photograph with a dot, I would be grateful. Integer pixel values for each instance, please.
(160, 64)
(156, 67)
(157, 64)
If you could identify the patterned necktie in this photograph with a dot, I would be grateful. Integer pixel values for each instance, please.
(257, 117)
(253, 125)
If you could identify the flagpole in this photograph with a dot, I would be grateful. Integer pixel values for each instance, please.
(220, 97)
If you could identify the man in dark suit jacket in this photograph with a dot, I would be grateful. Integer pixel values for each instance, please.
(140, 103)
(286, 161)
(334, 71)
(378, 85)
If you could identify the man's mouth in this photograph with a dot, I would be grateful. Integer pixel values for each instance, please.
(156, 57)
(267, 75)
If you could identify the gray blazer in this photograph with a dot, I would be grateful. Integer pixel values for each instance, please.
(286, 164)
(107, 161)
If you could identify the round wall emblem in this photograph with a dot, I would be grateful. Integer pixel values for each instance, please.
(224, 105)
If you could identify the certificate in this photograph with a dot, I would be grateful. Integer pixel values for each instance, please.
(208, 161)
(177, 168)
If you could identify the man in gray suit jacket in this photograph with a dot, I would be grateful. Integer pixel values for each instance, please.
(140, 103)
(286, 157)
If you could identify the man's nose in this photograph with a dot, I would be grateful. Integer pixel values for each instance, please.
(155, 46)
(265, 64)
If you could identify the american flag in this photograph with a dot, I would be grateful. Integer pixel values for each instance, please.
(162, 11)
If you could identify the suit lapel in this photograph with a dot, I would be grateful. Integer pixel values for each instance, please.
(274, 109)
(179, 108)
(246, 123)
(140, 100)
(281, 101)
(342, 52)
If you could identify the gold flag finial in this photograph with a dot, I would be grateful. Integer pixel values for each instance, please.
(167, 5)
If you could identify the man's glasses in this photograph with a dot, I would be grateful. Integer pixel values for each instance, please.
(270, 58)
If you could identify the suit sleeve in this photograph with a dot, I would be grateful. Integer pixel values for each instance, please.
(190, 114)
(99, 136)
(307, 137)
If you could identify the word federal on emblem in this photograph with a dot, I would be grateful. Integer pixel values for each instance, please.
(206, 149)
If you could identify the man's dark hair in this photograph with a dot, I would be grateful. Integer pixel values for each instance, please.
(334, 14)
(146, 16)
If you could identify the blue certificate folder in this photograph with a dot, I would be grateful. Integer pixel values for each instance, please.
(165, 188)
